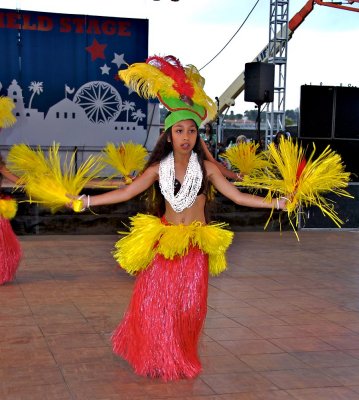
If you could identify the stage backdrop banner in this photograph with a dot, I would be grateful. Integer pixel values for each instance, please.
(61, 72)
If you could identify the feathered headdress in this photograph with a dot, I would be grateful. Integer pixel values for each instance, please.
(7, 118)
(179, 88)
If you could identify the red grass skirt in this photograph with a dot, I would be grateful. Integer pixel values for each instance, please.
(10, 251)
(161, 328)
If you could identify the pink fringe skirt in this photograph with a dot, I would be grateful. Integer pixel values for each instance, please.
(161, 328)
(10, 252)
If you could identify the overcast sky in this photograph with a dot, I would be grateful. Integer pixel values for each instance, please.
(322, 50)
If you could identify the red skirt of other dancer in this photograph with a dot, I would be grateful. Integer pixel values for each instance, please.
(10, 251)
(161, 328)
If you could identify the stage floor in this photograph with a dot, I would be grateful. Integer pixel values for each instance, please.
(282, 323)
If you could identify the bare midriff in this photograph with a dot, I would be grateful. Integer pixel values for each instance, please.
(188, 215)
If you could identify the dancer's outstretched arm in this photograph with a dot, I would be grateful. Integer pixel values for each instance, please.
(139, 185)
(238, 197)
(7, 174)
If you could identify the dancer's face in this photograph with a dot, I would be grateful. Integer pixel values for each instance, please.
(184, 136)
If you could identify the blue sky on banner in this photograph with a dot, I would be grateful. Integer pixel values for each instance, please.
(322, 50)
(60, 54)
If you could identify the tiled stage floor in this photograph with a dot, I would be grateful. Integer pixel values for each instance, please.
(282, 324)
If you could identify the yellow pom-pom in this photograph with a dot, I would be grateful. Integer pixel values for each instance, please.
(78, 205)
(7, 118)
(127, 158)
(50, 179)
(245, 158)
(8, 208)
(23, 161)
(303, 180)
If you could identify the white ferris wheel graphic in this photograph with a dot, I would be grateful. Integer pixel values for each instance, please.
(100, 100)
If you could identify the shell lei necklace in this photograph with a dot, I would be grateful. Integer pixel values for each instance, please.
(192, 182)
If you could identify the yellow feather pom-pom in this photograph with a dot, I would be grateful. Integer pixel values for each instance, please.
(128, 159)
(7, 118)
(8, 208)
(46, 191)
(245, 158)
(304, 181)
(23, 161)
(50, 180)
(77, 205)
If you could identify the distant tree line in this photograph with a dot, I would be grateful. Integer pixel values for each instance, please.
(291, 116)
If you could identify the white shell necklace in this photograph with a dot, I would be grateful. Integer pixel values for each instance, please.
(192, 182)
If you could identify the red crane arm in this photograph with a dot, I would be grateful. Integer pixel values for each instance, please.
(237, 86)
(300, 16)
(339, 4)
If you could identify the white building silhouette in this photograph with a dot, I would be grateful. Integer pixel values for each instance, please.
(67, 123)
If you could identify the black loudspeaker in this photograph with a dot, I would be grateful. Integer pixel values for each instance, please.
(259, 82)
(347, 113)
(316, 111)
(347, 149)
(346, 207)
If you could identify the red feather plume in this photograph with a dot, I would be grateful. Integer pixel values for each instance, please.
(300, 168)
(172, 67)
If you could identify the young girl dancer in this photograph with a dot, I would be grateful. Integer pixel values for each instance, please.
(10, 250)
(172, 251)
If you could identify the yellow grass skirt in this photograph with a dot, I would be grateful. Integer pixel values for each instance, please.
(149, 235)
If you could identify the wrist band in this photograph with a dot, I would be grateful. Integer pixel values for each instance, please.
(84, 207)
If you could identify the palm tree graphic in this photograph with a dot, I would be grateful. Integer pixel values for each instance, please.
(35, 88)
(128, 106)
(138, 115)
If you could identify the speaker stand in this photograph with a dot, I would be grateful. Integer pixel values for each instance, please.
(259, 125)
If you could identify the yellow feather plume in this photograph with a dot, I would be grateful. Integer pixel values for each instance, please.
(245, 158)
(49, 181)
(7, 118)
(200, 97)
(149, 236)
(128, 159)
(23, 161)
(149, 81)
(8, 208)
(303, 181)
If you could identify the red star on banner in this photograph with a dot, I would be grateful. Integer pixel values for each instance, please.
(96, 50)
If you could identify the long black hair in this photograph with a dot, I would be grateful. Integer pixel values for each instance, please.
(154, 199)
